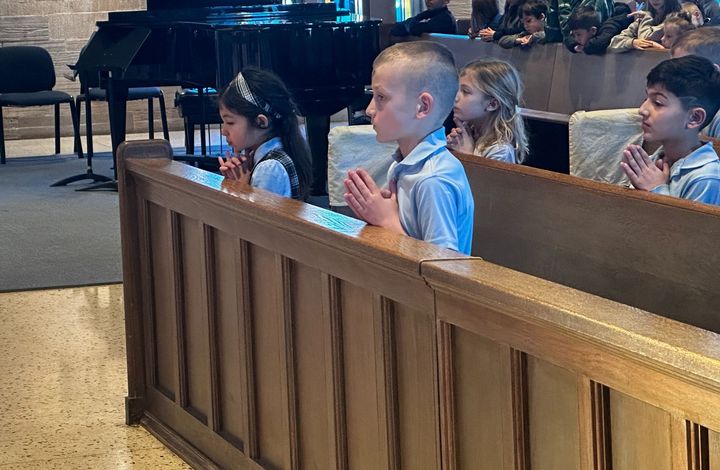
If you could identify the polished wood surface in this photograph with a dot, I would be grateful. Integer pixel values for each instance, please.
(267, 333)
(652, 252)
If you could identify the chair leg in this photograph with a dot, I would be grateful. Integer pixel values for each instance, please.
(88, 127)
(151, 119)
(163, 117)
(189, 136)
(2, 139)
(57, 128)
(76, 128)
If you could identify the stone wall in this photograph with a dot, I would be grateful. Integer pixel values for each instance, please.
(63, 27)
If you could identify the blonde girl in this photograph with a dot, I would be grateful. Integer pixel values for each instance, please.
(487, 112)
(646, 31)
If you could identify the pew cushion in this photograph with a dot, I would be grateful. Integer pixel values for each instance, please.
(597, 140)
(351, 147)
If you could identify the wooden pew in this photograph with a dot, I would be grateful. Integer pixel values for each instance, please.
(266, 333)
(559, 83)
(653, 252)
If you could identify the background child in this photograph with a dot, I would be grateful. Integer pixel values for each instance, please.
(260, 125)
(675, 26)
(696, 15)
(557, 29)
(429, 198)
(436, 19)
(645, 32)
(682, 95)
(588, 35)
(703, 42)
(534, 13)
(485, 14)
(486, 112)
(511, 22)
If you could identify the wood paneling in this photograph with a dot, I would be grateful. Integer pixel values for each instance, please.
(481, 394)
(553, 416)
(276, 335)
(640, 435)
(365, 412)
(312, 371)
(164, 374)
(714, 449)
(194, 334)
(415, 371)
(270, 363)
(231, 319)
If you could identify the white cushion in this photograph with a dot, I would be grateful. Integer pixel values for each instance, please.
(351, 147)
(597, 140)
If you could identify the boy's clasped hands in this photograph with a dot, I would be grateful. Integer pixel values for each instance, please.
(236, 167)
(642, 171)
(371, 203)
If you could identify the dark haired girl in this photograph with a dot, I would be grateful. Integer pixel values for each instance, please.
(261, 126)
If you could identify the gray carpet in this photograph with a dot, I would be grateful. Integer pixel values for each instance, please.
(56, 237)
(59, 237)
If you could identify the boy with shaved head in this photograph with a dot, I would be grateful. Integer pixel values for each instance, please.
(429, 198)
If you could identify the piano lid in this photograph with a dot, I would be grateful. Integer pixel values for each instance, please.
(180, 4)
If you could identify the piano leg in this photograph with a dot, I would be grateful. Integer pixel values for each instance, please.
(117, 111)
(317, 128)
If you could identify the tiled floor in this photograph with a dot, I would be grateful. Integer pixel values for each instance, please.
(62, 363)
(63, 374)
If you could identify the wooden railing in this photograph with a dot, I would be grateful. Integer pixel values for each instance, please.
(267, 333)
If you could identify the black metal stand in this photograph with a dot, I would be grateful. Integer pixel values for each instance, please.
(318, 127)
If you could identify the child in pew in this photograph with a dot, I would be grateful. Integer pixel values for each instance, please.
(682, 95)
(261, 126)
(485, 14)
(436, 19)
(675, 26)
(646, 31)
(703, 42)
(511, 22)
(696, 16)
(589, 36)
(429, 198)
(486, 112)
(534, 13)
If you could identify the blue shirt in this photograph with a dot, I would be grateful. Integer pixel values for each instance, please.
(433, 194)
(695, 177)
(270, 175)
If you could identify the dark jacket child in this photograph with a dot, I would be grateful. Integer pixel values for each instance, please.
(559, 11)
(485, 14)
(511, 22)
(534, 13)
(588, 35)
(436, 19)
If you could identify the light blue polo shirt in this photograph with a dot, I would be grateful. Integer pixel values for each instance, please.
(695, 177)
(270, 175)
(433, 193)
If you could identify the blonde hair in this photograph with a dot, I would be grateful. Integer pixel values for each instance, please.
(501, 81)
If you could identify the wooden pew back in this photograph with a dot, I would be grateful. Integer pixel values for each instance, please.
(652, 252)
(558, 81)
(266, 333)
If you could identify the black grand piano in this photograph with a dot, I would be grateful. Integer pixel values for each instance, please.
(324, 55)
